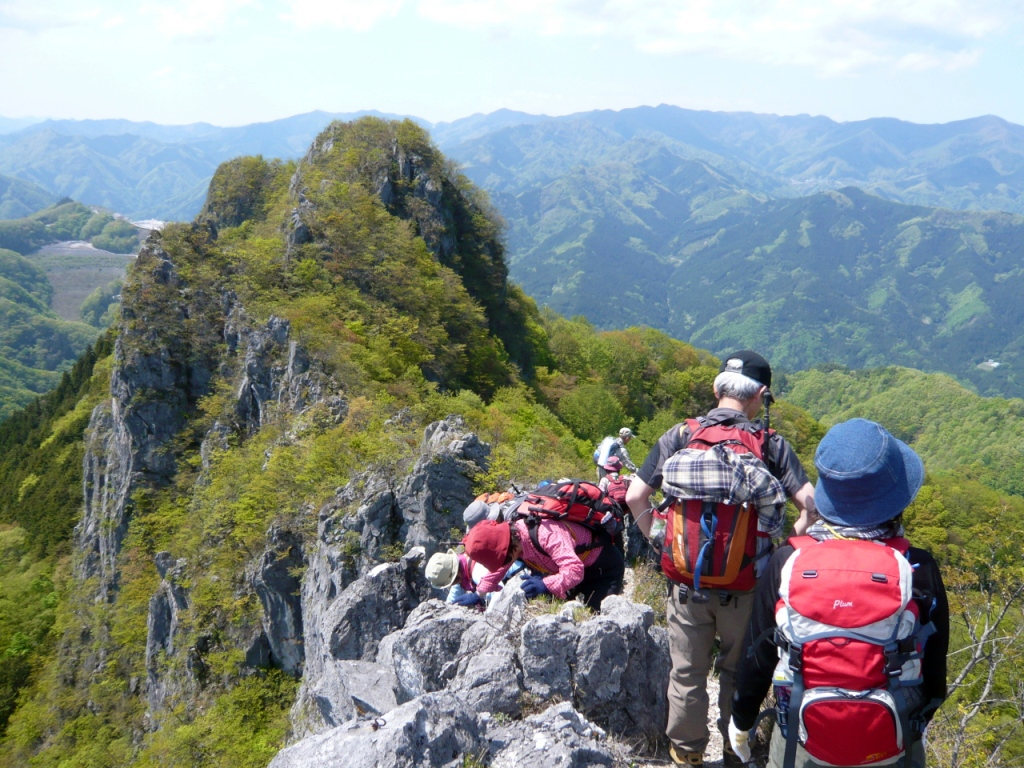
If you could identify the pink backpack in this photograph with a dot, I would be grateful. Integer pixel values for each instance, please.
(850, 645)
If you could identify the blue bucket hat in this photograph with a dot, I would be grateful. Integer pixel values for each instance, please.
(865, 475)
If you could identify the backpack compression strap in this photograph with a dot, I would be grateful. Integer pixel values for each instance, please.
(600, 538)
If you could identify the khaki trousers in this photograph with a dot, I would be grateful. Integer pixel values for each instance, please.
(777, 754)
(692, 628)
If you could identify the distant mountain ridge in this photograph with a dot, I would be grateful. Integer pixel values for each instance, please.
(968, 164)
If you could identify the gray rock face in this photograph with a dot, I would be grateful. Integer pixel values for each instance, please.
(151, 389)
(278, 374)
(558, 737)
(425, 653)
(440, 486)
(169, 601)
(374, 606)
(344, 616)
(371, 686)
(487, 678)
(438, 729)
(622, 668)
(432, 731)
(276, 582)
(612, 667)
(351, 627)
(548, 654)
(106, 488)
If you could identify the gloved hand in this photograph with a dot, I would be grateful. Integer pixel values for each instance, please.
(740, 741)
(469, 599)
(533, 586)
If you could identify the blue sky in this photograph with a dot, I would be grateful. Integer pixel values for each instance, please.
(231, 62)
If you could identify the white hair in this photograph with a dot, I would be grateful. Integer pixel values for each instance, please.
(737, 386)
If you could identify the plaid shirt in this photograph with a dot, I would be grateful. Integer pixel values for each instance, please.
(720, 474)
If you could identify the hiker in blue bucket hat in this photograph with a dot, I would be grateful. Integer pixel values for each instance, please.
(850, 623)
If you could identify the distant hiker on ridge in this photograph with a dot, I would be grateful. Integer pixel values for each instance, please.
(712, 590)
(613, 446)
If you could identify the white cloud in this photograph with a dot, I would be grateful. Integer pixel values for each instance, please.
(832, 36)
(358, 15)
(193, 18)
(31, 17)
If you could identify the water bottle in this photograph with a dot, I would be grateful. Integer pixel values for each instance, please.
(657, 526)
(782, 684)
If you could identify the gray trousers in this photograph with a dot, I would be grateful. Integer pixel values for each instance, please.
(692, 628)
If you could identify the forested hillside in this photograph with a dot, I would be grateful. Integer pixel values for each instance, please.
(978, 437)
(308, 381)
(36, 344)
(20, 198)
(68, 220)
(837, 277)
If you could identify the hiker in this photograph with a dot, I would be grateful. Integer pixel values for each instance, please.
(696, 614)
(613, 446)
(460, 576)
(566, 558)
(866, 478)
(613, 483)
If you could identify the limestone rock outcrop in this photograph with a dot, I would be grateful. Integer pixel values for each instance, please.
(437, 730)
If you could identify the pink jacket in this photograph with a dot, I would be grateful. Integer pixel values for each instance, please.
(562, 563)
(466, 568)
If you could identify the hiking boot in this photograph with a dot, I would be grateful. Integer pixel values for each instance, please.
(685, 758)
(729, 758)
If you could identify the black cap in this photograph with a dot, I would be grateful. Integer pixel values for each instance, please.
(750, 364)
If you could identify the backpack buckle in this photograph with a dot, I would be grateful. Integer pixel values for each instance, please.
(682, 593)
(796, 657)
(724, 597)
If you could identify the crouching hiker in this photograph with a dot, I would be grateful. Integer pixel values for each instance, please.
(460, 576)
(850, 623)
(568, 559)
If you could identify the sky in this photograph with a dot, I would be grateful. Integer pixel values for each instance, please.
(233, 62)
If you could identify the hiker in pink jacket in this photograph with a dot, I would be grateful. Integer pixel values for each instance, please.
(567, 558)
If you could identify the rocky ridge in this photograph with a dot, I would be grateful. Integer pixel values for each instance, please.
(343, 608)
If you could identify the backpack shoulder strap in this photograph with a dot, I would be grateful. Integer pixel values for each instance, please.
(598, 537)
(801, 541)
(899, 543)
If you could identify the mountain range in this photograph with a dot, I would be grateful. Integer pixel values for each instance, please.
(967, 164)
(812, 240)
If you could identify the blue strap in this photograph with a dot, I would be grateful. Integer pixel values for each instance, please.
(708, 523)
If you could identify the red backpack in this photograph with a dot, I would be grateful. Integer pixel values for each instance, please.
(712, 544)
(616, 491)
(850, 645)
(572, 501)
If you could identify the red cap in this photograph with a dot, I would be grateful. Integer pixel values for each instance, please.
(487, 543)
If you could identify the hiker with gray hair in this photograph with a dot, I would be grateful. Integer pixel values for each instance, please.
(697, 616)
(840, 617)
